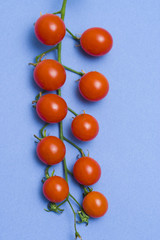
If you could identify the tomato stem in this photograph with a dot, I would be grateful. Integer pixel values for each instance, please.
(73, 36)
(63, 9)
(69, 172)
(74, 213)
(86, 189)
(62, 203)
(47, 172)
(39, 95)
(44, 53)
(74, 145)
(57, 12)
(72, 111)
(43, 133)
(37, 137)
(74, 71)
(75, 200)
(33, 64)
(59, 47)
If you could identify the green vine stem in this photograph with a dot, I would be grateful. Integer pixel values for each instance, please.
(74, 145)
(69, 172)
(44, 53)
(73, 36)
(57, 12)
(43, 130)
(59, 47)
(74, 71)
(74, 213)
(37, 137)
(75, 200)
(72, 111)
(62, 203)
(61, 123)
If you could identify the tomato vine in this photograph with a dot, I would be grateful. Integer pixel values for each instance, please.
(84, 126)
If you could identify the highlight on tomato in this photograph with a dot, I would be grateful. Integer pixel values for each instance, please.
(51, 108)
(51, 150)
(95, 204)
(86, 171)
(85, 127)
(96, 41)
(93, 86)
(49, 75)
(55, 189)
(50, 29)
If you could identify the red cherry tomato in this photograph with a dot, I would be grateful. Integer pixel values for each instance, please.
(51, 150)
(95, 204)
(93, 86)
(85, 127)
(50, 29)
(96, 41)
(49, 75)
(86, 171)
(55, 189)
(51, 108)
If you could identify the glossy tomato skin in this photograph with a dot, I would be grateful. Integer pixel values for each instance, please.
(85, 127)
(86, 171)
(95, 204)
(55, 189)
(51, 150)
(96, 41)
(49, 75)
(51, 108)
(93, 86)
(50, 29)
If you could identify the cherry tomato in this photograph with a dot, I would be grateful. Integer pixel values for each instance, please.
(93, 86)
(86, 171)
(49, 75)
(50, 29)
(51, 150)
(55, 189)
(51, 108)
(85, 127)
(95, 204)
(96, 41)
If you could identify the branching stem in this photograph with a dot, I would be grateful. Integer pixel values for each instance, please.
(73, 36)
(44, 53)
(75, 228)
(72, 111)
(75, 200)
(74, 71)
(74, 145)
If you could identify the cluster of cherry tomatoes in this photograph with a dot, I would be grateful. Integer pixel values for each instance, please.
(50, 75)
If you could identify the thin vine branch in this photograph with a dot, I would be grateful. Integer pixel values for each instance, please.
(74, 145)
(75, 200)
(74, 71)
(44, 53)
(72, 111)
(74, 213)
(73, 36)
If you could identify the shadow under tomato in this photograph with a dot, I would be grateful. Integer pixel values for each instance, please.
(35, 43)
(31, 80)
(85, 102)
(86, 55)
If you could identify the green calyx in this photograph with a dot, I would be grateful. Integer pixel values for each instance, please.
(83, 217)
(52, 207)
(86, 190)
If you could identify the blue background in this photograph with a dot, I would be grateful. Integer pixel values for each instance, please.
(127, 146)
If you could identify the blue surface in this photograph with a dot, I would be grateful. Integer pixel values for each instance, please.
(127, 146)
